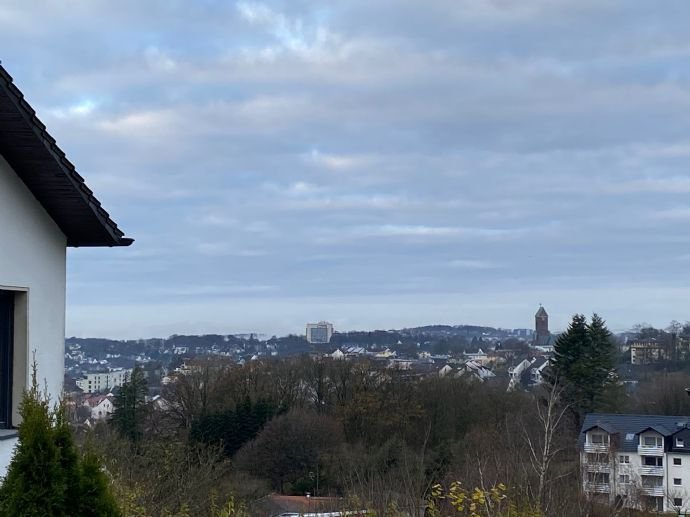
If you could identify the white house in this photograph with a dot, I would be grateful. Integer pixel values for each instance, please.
(45, 207)
(479, 357)
(475, 371)
(337, 354)
(469, 369)
(528, 373)
(637, 461)
(101, 406)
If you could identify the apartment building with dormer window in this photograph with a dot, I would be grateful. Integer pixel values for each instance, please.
(637, 461)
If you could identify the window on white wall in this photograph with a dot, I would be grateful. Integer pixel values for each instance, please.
(677, 481)
(677, 461)
(653, 441)
(652, 461)
(624, 459)
(6, 357)
(13, 354)
(652, 481)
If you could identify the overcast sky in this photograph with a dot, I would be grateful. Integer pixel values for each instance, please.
(375, 163)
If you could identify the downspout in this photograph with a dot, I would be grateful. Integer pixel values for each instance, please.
(667, 491)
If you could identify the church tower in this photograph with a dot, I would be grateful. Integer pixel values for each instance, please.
(541, 325)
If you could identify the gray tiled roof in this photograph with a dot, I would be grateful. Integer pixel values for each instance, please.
(628, 426)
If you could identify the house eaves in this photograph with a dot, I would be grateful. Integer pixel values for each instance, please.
(49, 175)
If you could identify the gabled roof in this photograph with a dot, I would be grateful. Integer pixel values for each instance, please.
(541, 313)
(629, 427)
(661, 429)
(49, 175)
(601, 425)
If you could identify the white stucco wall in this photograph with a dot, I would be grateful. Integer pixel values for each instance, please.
(6, 452)
(32, 260)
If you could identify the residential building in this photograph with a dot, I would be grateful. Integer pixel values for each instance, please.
(45, 207)
(319, 333)
(527, 373)
(337, 354)
(469, 369)
(637, 461)
(101, 406)
(646, 351)
(479, 357)
(103, 381)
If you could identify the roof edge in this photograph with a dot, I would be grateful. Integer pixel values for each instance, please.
(117, 236)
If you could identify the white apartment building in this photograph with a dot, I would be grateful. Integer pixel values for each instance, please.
(103, 381)
(638, 461)
(646, 352)
(320, 332)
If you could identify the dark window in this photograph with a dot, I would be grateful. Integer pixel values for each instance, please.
(597, 458)
(677, 481)
(652, 481)
(677, 461)
(598, 478)
(6, 345)
(677, 501)
(652, 461)
(653, 441)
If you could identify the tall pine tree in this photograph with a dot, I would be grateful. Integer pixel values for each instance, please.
(128, 406)
(584, 366)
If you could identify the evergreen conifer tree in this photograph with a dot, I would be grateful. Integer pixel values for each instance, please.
(97, 499)
(128, 405)
(47, 477)
(34, 484)
(583, 365)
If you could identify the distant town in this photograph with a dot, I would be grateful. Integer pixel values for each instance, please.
(95, 367)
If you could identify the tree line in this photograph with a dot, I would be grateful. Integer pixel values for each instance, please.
(384, 439)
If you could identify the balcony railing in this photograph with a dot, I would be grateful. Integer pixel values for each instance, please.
(654, 491)
(597, 447)
(598, 467)
(649, 470)
(650, 450)
(598, 488)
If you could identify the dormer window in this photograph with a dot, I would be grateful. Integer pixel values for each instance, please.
(599, 439)
(679, 442)
(653, 441)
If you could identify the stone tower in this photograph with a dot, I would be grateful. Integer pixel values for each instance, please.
(541, 324)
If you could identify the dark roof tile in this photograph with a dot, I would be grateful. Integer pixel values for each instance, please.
(629, 427)
(49, 175)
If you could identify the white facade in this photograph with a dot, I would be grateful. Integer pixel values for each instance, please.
(101, 407)
(645, 352)
(478, 357)
(32, 264)
(103, 381)
(651, 477)
(45, 206)
(320, 332)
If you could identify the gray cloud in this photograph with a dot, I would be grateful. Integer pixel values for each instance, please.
(490, 155)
